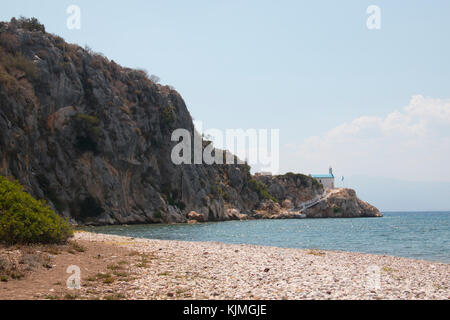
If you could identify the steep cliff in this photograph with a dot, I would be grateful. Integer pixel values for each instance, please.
(297, 188)
(94, 139)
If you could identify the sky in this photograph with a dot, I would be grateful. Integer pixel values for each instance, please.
(370, 103)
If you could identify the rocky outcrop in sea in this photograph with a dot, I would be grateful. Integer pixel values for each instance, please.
(342, 203)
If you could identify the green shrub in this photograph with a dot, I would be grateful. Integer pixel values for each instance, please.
(31, 24)
(18, 62)
(218, 190)
(261, 189)
(25, 220)
(168, 116)
(337, 209)
(172, 202)
(305, 181)
(317, 184)
(87, 120)
(180, 205)
(26, 65)
(157, 214)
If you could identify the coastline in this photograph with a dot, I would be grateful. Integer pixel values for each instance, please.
(212, 270)
(118, 267)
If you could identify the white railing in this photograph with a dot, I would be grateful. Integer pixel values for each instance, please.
(310, 203)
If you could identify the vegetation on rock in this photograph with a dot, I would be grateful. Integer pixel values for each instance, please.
(261, 189)
(31, 24)
(303, 179)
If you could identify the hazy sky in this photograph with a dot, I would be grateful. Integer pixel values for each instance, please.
(368, 102)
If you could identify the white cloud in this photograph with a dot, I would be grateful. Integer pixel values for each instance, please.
(412, 144)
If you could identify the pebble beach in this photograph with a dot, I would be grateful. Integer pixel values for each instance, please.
(211, 270)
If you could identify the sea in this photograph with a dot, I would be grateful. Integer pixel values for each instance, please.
(417, 235)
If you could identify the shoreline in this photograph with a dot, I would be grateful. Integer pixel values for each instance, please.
(262, 246)
(124, 268)
(308, 240)
(248, 218)
(256, 245)
(214, 270)
(295, 215)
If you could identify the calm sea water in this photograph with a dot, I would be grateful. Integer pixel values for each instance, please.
(419, 235)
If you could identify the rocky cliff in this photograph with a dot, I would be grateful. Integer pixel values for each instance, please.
(342, 203)
(296, 188)
(293, 191)
(94, 139)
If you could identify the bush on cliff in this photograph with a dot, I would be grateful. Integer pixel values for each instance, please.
(261, 189)
(11, 62)
(31, 24)
(168, 116)
(25, 220)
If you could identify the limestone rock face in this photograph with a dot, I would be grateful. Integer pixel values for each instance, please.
(293, 190)
(196, 216)
(296, 188)
(94, 138)
(342, 203)
(234, 214)
(287, 204)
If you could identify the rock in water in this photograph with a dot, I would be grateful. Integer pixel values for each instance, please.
(194, 216)
(342, 203)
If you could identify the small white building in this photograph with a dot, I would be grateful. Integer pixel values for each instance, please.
(263, 174)
(327, 180)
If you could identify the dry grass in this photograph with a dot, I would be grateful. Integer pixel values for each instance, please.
(316, 252)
